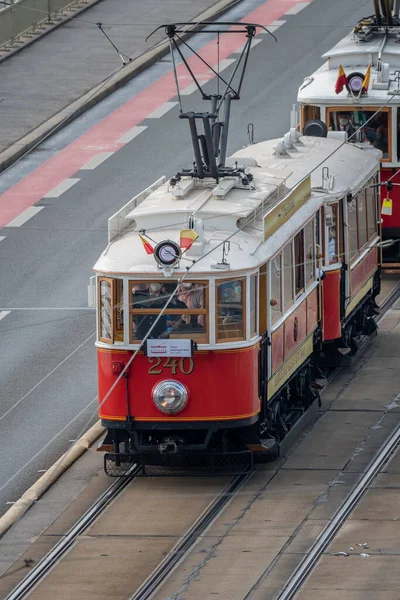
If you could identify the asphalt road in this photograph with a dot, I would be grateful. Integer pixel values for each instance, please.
(47, 355)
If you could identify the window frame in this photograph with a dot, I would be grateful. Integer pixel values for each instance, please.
(310, 261)
(352, 257)
(371, 186)
(173, 311)
(362, 193)
(110, 282)
(286, 308)
(299, 291)
(253, 333)
(372, 109)
(218, 282)
(276, 315)
(335, 210)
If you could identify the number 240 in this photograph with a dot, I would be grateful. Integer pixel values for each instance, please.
(183, 365)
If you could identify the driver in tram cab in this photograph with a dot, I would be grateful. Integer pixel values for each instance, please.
(154, 299)
(345, 123)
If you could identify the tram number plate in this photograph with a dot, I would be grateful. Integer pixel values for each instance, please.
(184, 366)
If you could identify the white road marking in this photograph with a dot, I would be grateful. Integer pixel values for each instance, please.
(61, 188)
(4, 313)
(254, 42)
(96, 161)
(274, 26)
(224, 64)
(25, 216)
(297, 8)
(131, 134)
(2, 237)
(161, 110)
(190, 89)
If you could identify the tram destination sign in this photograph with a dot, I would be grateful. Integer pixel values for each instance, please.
(169, 348)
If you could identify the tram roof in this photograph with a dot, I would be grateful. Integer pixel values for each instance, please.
(354, 56)
(161, 215)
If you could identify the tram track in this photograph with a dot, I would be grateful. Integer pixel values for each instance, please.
(190, 538)
(298, 577)
(213, 510)
(39, 572)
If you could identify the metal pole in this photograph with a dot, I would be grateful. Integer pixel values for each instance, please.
(196, 148)
(225, 129)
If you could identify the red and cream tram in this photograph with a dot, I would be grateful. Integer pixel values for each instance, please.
(356, 95)
(208, 337)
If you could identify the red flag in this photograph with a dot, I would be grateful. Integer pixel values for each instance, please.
(187, 237)
(341, 80)
(147, 246)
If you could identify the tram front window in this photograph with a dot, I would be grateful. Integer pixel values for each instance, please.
(184, 317)
(360, 128)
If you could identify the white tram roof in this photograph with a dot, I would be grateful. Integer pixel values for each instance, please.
(355, 56)
(162, 215)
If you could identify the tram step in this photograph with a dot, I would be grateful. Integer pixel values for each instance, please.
(344, 351)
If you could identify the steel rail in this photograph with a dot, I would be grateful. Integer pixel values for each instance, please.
(298, 577)
(48, 561)
(190, 538)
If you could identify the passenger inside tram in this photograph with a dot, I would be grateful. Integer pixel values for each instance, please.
(356, 123)
(155, 295)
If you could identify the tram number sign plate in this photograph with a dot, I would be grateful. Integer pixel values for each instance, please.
(169, 348)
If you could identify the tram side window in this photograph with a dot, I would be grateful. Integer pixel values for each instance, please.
(288, 276)
(309, 252)
(253, 305)
(119, 311)
(331, 237)
(299, 261)
(230, 297)
(372, 219)
(353, 236)
(186, 315)
(362, 220)
(276, 293)
(106, 329)
(360, 128)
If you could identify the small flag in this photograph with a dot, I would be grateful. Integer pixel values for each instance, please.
(146, 244)
(187, 237)
(366, 79)
(386, 207)
(341, 80)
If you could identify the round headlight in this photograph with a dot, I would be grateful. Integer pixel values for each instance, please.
(170, 397)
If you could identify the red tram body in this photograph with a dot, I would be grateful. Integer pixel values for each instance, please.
(228, 375)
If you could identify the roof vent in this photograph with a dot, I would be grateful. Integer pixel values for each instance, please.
(280, 148)
(289, 142)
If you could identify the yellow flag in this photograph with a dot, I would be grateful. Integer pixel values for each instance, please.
(366, 79)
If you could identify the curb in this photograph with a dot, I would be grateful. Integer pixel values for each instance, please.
(41, 486)
(100, 91)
